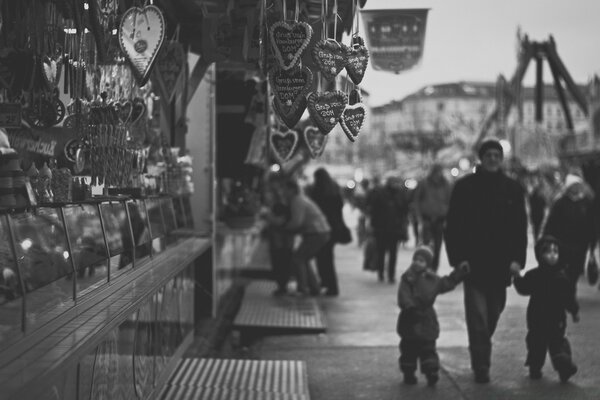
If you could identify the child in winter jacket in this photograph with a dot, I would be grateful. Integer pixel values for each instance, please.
(551, 295)
(417, 325)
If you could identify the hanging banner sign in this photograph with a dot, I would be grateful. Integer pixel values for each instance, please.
(395, 38)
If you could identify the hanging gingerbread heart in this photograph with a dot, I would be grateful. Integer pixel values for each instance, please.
(358, 59)
(283, 143)
(170, 68)
(289, 40)
(141, 34)
(326, 108)
(355, 97)
(352, 120)
(315, 141)
(329, 57)
(290, 88)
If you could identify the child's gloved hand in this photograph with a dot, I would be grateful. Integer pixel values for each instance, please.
(575, 318)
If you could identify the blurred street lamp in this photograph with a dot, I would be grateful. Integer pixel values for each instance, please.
(454, 172)
(464, 164)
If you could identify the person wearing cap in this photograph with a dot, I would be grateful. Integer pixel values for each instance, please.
(571, 220)
(486, 233)
(417, 323)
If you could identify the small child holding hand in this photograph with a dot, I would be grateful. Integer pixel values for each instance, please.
(551, 295)
(417, 325)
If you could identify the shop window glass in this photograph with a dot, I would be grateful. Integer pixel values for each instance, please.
(140, 228)
(118, 236)
(169, 214)
(157, 226)
(87, 243)
(11, 294)
(179, 212)
(44, 262)
(187, 206)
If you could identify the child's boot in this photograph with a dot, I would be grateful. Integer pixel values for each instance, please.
(432, 378)
(410, 378)
(567, 373)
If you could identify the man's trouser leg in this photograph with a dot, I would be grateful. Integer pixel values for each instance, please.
(409, 353)
(438, 234)
(537, 345)
(381, 247)
(392, 246)
(483, 307)
(307, 249)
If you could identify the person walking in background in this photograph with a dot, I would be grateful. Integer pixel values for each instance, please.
(281, 242)
(431, 200)
(326, 193)
(551, 294)
(538, 203)
(486, 233)
(307, 220)
(571, 220)
(360, 202)
(388, 214)
(417, 324)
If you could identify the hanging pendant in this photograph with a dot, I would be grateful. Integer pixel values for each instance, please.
(330, 57)
(290, 88)
(326, 108)
(289, 40)
(283, 142)
(315, 140)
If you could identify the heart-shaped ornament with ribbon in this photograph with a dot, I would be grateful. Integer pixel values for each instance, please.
(141, 33)
(290, 88)
(138, 110)
(124, 110)
(51, 70)
(170, 67)
(283, 143)
(315, 141)
(358, 59)
(330, 57)
(352, 120)
(289, 40)
(326, 108)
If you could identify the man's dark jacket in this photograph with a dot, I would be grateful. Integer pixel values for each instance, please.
(487, 226)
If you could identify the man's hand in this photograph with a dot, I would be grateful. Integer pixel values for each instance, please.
(575, 318)
(515, 268)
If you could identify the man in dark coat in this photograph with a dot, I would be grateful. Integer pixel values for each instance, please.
(486, 233)
(388, 212)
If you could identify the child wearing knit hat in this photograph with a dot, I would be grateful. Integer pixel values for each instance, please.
(417, 324)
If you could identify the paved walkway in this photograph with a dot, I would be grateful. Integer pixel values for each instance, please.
(357, 357)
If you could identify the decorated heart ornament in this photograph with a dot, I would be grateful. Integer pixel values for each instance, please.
(329, 57)
(141, 34)
(315, 141)
(170, 67)
(283, 143)
(352, 120)
(51, 70)
(326, 108)
(289, 40)
(290, 89)
(358, 59)
(124, 110)
(355, 97)
(138, 110)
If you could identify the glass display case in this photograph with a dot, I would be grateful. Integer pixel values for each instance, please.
(52, 256)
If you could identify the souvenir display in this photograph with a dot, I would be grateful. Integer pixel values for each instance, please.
(170, 68)
(326, 108)
(315, 141)
(283, 143)
(290, 89)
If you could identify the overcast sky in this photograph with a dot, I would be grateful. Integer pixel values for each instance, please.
(475, 40)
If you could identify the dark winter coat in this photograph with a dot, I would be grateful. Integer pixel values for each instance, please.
(388, 210)
(416, 295)
(550, 291)
(572, 223)
(331, 204)
(486, 225)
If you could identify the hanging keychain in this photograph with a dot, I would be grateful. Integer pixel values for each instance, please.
(357, 53)
(328, 54)
(289, 40)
